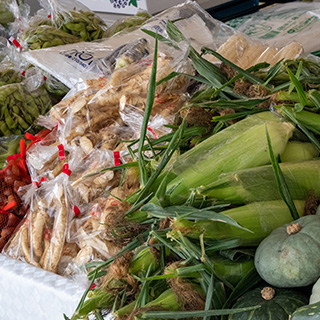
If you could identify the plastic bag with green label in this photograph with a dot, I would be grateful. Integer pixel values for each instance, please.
(278, 25)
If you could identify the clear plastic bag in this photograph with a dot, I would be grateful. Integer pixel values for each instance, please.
(127, 24)
(12, 209)
(88, 186)
(84, 231)
(281, 24)
(74, 18)
(123, 56)
(40, 239)
(246, 53)
(46, 36)
(95, 231)
(21, 106)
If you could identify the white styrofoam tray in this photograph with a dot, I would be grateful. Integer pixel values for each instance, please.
(30, 293)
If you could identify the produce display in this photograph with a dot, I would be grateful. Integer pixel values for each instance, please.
(181, 183)
(72, 26)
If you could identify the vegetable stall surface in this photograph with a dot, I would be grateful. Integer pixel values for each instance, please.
(186, 194)
(161, 181)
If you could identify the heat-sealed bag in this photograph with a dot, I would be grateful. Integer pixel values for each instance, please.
(98, 230)
(84, 231)
(21, 107)
(246, 53)
(127, 24)
(282, 23)
(40, 239)
(76, 19)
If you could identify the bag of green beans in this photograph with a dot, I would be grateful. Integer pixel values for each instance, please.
(75, 19)
(6, 15)
(46, 36)
(20, 107)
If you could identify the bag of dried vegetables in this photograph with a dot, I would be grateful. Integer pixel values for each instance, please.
(86, 181)
(47, 158)
(98, 229)
(40, 238)
(12, 208)
(84, 232)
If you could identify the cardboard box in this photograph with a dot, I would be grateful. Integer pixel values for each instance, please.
(129, 6)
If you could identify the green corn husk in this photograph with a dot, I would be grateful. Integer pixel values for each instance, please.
(243, 145)
(309, 119)
(166, 301)
(232, 271)
(259, 184)
(260, 217)
(104, 299)
(297, 151)
(98, 300)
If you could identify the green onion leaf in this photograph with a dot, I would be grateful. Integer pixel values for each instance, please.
(281, 182)
(147, 113)
(192, 314)
(301, 94)
(209, 295)
(273, 71)
(189, 213)
(253, 79)
(291, 87)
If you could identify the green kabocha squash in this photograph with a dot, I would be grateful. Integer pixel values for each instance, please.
(290, 255)
(315, 295)
(309, 312)
(276, 304)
